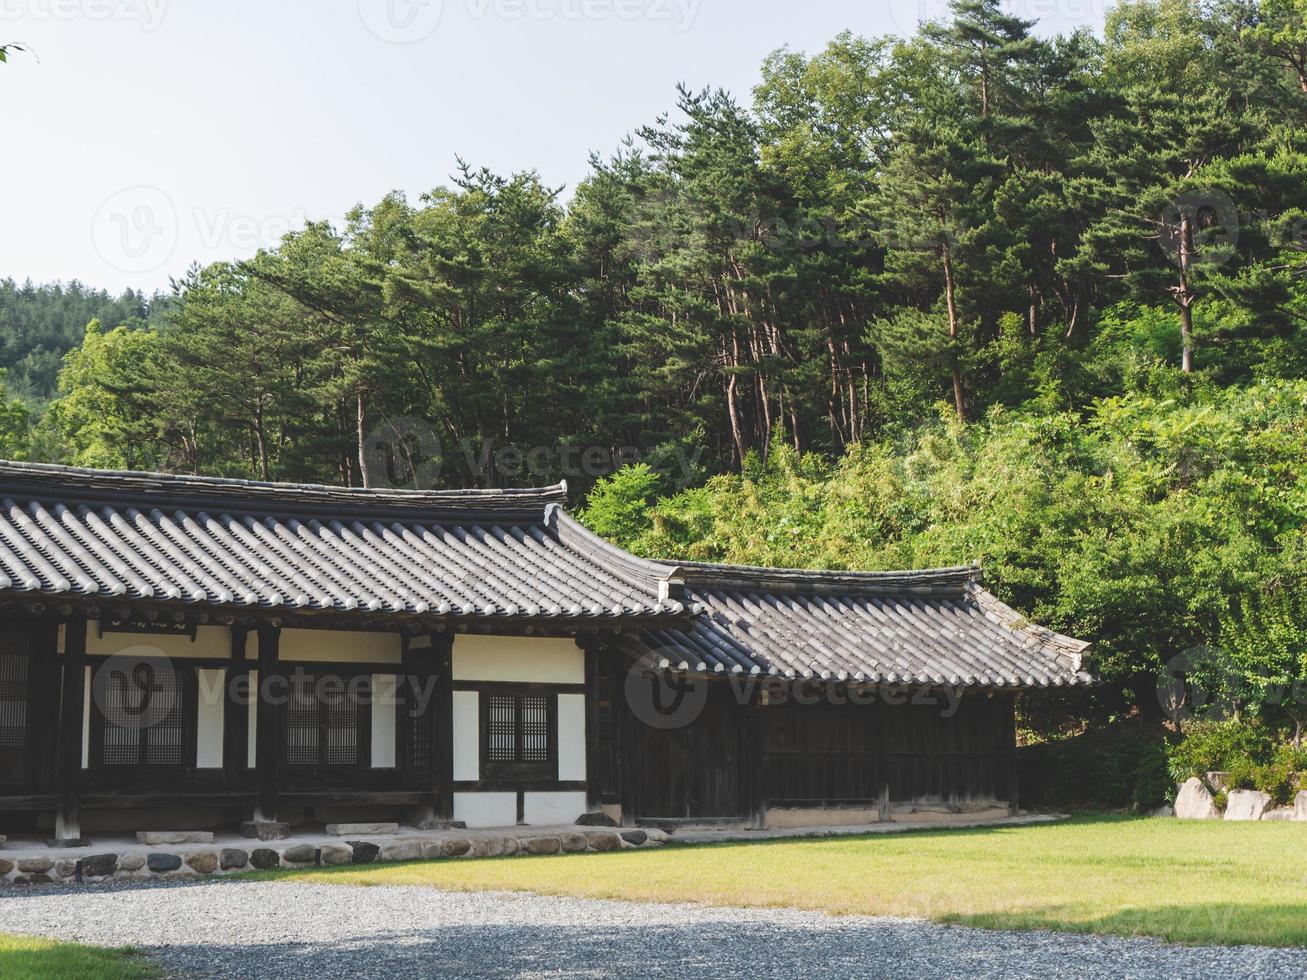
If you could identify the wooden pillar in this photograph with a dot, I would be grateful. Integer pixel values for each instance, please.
(751, 760)
(1010, 736)
(43, 709)
(593, 784)
(273, 692)
(68, 825)
(442, 725)
(236, 714)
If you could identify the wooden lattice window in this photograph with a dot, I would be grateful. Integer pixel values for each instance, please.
(15, 661)
(325, 721)
(519, 734)
(142, 708)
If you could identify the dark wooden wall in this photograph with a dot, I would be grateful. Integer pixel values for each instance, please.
(737, 758)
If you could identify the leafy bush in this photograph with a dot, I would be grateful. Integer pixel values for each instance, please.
(1152, 781)
(1118, 768)
(1232, 745)
(1245, 749)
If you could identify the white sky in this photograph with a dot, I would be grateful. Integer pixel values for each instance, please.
(147, 134)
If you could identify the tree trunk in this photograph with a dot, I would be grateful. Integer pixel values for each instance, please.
(360, 422)
(1184, 296)
(951, 300)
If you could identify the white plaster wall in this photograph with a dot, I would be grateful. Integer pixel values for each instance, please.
(86, 719)
(210, 691)
(524, 659)
(571, 737)
(252, 742)
(486, 809)
(467, 737)
(552, 808)
(384, 689)
(340, 646)
(213, 642)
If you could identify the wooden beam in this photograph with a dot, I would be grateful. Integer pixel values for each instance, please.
(44, 706)
(273, 692)
(236, 714)
(72, 707)
(593, 651)
(442, 725)
(1010, 732)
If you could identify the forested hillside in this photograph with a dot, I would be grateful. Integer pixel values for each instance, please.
(973, 294)
(40, 324)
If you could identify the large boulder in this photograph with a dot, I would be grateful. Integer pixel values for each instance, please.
(203, 862)
(1300, 806)
(99, 865)
(163, 863)
(1193, 802)
(1246, 804)
(596, 818)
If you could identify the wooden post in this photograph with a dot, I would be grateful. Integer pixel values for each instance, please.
(593, 787)
(1010, 729)
(273, 692)
(752, 761)
(67, 824)
(236, 715)
(43, 712)
(442, 725)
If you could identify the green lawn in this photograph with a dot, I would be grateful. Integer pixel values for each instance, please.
(23, 958)
(1188, 882)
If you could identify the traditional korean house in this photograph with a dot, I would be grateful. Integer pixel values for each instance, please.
(181, 651)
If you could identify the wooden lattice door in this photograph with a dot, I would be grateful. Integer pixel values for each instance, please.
(15, 712)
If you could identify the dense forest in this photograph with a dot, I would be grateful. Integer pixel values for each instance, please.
(976, 294)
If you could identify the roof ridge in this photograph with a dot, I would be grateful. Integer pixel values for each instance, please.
(32, 477)
(646, 573)
(950, 580)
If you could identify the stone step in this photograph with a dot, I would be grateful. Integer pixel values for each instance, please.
(157, 838)
(360, 829)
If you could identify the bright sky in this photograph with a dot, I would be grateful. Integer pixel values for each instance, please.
(143, 135)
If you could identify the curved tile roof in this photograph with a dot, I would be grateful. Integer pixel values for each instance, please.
(935, 627)
(69, 532)
(499, 556)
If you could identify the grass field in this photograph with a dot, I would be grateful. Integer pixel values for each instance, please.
(22, 958)
(1188, 882)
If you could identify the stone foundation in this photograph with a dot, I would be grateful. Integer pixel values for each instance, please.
(173, 862)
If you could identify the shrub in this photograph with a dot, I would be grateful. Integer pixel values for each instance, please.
(1233, 745)
(1152, 781)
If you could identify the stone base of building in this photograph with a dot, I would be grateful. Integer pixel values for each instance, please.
(124, 859)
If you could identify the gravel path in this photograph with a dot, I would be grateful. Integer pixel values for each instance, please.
(268, 929)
